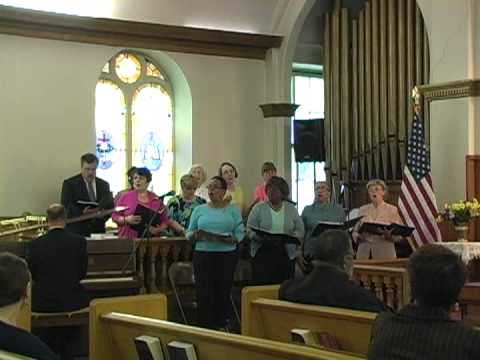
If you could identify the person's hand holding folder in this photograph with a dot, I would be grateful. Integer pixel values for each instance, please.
(209, 236)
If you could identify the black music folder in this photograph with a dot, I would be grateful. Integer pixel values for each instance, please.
(148, 215)
(330, 225)
(275, 238)
(377, 229)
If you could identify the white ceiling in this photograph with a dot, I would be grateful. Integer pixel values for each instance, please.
(256, 16)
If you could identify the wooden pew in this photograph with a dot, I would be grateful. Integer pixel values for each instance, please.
(266, 317)
(115, 332)
(152, 306)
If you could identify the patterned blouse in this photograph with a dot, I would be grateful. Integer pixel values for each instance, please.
(181, 210)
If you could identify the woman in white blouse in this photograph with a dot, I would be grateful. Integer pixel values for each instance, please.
(378, 211)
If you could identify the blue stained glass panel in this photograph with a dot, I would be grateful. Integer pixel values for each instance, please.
(110, 125)
(152, 135)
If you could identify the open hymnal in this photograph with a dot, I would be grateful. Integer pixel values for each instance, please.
(148, 217)
(148, 348)
(331, 225)
(378, 229)
(268, 236)
(181, 351)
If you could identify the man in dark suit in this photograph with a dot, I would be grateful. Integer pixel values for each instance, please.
(58, 261)
(86, 187)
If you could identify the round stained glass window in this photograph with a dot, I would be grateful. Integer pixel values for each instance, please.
(128, 68)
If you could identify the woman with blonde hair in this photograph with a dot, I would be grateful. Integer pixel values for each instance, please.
(200, 175)
(378, 211)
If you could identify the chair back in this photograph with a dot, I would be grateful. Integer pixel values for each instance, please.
(180, 273)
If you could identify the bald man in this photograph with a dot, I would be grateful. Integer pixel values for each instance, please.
(58, 261)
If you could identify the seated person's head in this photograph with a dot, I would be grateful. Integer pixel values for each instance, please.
(436, 276)
(56, 215)
(333, 247)
(14, 279)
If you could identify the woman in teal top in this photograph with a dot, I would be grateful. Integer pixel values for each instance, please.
(321, 210)
(274, 262)
(216, 228)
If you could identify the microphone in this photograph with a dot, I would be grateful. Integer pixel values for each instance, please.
(170, 193)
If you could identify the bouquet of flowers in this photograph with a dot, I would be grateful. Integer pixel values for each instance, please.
(460, 213)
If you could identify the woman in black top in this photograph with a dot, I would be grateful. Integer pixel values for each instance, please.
(14, 279)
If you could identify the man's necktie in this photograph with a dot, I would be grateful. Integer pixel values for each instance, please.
(91, 193)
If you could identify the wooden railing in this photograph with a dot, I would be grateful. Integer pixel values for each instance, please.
(390, 284)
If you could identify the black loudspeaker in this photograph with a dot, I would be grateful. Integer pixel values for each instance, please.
(309, 143)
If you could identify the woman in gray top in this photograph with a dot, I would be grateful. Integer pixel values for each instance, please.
(273, 261)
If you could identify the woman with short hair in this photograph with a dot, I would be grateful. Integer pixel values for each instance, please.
(215, 228)
(273, 262)
(234, 193)
(180, 207)
(378, 211)
(127, 220)
(268, 170)
(200, 175)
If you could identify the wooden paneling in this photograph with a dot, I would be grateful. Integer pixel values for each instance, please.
(47, 25)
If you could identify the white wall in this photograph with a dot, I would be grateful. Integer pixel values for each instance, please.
(47, 115)
(448, 29)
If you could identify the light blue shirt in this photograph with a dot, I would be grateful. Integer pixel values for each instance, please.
(227, 220)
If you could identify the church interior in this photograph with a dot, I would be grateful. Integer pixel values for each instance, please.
(217, 82)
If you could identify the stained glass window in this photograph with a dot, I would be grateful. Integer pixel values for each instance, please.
(128, 67)
(152, 70)
(134, 123)
(152, 134)
(110, 127)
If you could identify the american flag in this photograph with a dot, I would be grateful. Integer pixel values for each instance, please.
(417, 203)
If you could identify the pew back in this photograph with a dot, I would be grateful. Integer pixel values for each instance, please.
(273, 319)
(116, 341)
(152, 306)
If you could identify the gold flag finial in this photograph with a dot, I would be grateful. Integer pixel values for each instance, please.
(416, 100)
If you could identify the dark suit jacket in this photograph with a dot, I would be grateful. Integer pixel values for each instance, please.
(74, 189)
(328, 285)
(422, 333)
(58, 261)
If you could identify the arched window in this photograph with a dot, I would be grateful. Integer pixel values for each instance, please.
(134, 121)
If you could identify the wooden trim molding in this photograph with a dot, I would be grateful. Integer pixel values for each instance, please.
(110, 32)
(450, 90)
(278, 109)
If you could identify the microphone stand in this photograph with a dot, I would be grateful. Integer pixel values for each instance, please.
(142, 239)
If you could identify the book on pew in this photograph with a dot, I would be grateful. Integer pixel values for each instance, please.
(274, 237)
(178, 350)
(331, 225)
(148, 348)
(147, 215)
(304, 337)
(378, 229)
